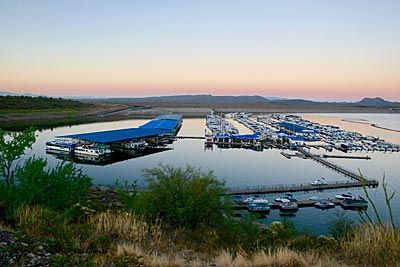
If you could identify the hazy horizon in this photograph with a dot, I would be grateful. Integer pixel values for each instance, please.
(149, 96)
(316, 50)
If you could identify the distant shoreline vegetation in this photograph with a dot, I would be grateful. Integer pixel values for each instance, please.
(28, 103)
(20, 112)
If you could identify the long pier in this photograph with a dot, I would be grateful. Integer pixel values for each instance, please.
(190, 137)
(283, 188)
(346, 157)
(352, 175)
(300, 204)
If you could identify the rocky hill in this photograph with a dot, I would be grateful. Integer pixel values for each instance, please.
(377, 102)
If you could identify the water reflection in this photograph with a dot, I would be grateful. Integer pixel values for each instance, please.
(244, 167)
(108, 159)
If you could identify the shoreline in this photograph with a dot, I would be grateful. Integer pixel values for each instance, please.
(44, 119)
(372, 125)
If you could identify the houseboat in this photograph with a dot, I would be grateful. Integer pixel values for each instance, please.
(93, 150)
(61, 147)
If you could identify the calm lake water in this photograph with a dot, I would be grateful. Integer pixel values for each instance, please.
(241, 167)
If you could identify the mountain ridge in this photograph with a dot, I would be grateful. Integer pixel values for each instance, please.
(372, 102)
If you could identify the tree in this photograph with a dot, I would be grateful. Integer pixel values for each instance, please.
(12, 147)
(185, 197)
(57, 188)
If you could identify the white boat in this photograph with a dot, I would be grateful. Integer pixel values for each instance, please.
(344, 196)
(248, 200)
(285, 198)
(260, 201)
(255, 200)
(93, 150)
(288, 206)
(139, 145)
(324, 204)
(319, 182)
(209, 139)
(355, 203)
(60, 146)
(258, 207)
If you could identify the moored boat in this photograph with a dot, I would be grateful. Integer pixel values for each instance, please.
(319, 182)
(286, 198)
(324, 204)
(288, 206)
(355, 203)
(344, 196)
(60, 146)
(258, 207)
(93, 150)
(209, 139)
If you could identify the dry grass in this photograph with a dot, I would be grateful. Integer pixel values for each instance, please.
(33, 220)
(136, 239)
(5, 228)
(129, 230)
(283, 257)
(373, 245)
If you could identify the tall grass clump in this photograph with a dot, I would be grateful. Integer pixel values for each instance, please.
(42, 223)
(281, 257)
(373, 245)
(129, 230)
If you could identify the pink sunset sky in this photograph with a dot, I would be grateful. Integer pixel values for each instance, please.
(319, 50)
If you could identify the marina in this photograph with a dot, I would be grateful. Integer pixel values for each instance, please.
(235, 160)
(96, 147)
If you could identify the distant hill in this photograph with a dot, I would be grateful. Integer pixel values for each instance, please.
(377, 102)
(211, 99)
(40, 102)
(194, 99)
(4, 93)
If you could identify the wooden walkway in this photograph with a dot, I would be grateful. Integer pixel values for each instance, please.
(294, 187)
(339, 169)
(346, 157)
(190, 137)
(300, 204)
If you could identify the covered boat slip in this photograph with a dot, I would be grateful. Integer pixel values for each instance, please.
(159, 128)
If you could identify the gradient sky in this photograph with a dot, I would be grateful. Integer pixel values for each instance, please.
(321, 50)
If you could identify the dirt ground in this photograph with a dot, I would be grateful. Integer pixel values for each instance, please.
(122, 111)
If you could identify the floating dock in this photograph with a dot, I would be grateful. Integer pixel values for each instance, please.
(357, 181)
(300, 204)
(352, 175)
(346, 157)
(191, 137)
(267, 189)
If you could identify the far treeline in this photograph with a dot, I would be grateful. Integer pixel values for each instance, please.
(13, 103)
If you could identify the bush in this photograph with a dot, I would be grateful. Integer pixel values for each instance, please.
(184, 197)
(342, 226)
(56, 189)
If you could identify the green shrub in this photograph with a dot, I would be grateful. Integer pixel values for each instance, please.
(56, 189)
(342, 226)
(184, 197)
(235, 235)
